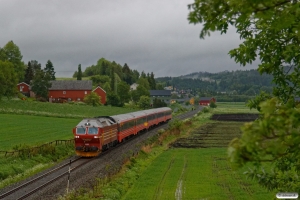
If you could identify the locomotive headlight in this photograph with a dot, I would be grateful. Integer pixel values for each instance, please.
(96, 136)
(76, 136)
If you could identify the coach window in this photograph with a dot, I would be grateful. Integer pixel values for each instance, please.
(92, 130)
(80, 131)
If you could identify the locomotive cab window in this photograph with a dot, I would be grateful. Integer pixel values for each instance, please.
(92, 130)
(80, 131)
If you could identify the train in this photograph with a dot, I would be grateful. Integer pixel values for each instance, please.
(94, 135)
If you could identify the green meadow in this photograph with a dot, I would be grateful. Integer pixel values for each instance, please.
(33, 130)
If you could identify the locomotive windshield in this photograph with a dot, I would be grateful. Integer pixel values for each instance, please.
(80, 130)
(92, 130)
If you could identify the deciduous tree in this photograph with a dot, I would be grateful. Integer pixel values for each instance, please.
(11, 52)
(123, 92)
(92, 99)
(270, 33)
(144, 102)
(8, 79)
(41, 84)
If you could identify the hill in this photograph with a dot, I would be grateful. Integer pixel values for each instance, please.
(248, 82)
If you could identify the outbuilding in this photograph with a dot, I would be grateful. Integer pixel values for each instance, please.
(99, 90)
(205, 101)
(24, 88)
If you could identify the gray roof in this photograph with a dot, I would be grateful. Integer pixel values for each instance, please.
(297, 98)
(160, 92)
(71, 85)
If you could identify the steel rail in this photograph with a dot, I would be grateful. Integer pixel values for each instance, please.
(35, 179)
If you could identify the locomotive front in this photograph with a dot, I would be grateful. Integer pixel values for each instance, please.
(89, 136)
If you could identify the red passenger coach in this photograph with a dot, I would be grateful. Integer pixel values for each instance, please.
(126, 125)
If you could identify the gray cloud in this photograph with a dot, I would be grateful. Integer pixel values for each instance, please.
(153, 36)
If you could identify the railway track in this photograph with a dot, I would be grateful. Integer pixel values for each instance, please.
(25, 190)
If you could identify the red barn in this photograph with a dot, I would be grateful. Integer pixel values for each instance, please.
(70, 90)
(205, 101)
(101, 93)
(23, 88)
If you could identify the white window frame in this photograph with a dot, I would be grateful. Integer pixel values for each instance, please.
(64, 92)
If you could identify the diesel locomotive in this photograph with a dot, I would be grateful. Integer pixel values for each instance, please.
(94, 135)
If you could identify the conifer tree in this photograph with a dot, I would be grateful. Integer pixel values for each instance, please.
(79, 73)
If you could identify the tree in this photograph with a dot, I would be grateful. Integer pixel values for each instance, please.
(212, 104)
(123, 92)
(11, 52)
(8, 79)
(270, 33)
(92, 99)
(41, 84)
(107, 87)
(28, 73)
(79, 73)
(144, 82)
(50, 70)
(113, 99)
(112, 79)
(144, 102)
(157, 103)
(99, 79)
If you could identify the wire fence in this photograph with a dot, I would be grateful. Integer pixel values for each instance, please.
(37, 149)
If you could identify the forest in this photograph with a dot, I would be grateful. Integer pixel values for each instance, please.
(242, 82)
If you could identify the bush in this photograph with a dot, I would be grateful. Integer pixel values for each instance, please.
(92, 99)
(205, 110)
(212, 104)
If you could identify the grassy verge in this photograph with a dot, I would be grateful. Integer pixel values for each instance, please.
(14, 169)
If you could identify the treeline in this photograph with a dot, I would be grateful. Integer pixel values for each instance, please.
(13, 70)
(116, 79)
(249, 82)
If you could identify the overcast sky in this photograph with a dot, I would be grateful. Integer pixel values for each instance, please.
(154, 36)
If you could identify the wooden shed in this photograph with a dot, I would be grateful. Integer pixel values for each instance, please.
(99, 90)
(24, 88)
(205, 101)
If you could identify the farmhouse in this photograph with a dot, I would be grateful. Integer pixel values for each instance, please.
(73, 90)
(24, 88)
(204, 101)
(134, 86)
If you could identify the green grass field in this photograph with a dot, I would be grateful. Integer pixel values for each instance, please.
(233, 107)
(33, 130)
(58, 110)
(195, 174)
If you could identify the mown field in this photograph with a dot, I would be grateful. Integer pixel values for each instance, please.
(33, 130)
